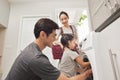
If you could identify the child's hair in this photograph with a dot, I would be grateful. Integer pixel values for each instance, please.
(65, 38)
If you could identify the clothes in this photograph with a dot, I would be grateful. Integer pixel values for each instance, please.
(67, 30)
(71, 30)
(67, 64)
(31, 64)
(64, 30)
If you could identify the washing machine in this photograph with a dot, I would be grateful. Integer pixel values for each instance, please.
(100, 63)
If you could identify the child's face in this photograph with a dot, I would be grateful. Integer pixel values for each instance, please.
(72, 44)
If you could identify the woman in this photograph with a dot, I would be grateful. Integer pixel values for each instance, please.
(70, 59)
(66, 28)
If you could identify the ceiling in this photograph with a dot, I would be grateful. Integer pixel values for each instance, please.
(23, 1)
(19, 1)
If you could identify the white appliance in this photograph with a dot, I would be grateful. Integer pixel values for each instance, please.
(110, 50)
(100, 62)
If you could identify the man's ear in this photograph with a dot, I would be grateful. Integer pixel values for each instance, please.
(42, 34)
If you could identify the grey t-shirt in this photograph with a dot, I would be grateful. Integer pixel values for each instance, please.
(31, 64)
(67, 64)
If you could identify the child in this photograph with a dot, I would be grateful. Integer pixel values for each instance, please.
(70, 59)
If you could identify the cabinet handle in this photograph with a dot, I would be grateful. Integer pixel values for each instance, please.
(113, 58)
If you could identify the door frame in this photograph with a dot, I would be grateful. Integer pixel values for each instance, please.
(20, 27)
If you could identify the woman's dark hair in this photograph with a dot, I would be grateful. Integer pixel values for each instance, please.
(63, 12)
(46, 25)
(65, 38)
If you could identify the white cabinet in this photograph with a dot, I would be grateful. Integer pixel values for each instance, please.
(101, 10)
(4, 13)
(113, 5)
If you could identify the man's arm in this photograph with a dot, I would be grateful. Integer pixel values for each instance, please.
(82, 76)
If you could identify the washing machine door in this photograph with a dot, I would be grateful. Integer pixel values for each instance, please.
(91, 57)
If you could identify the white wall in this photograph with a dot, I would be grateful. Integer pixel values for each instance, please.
(2, 38)
(2, 35)
(4, 13)
(20, 9)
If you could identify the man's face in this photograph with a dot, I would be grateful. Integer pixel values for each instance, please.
(50, 38)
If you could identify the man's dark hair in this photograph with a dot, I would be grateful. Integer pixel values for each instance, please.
(63, 12)
(65, 38)
(46, 25)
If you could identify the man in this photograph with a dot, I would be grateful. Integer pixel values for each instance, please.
(32, 64)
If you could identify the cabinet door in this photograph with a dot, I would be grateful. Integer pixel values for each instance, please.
(93, 4)
(99, 12)
(113, 5)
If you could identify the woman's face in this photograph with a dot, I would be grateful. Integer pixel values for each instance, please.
(64, 19)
